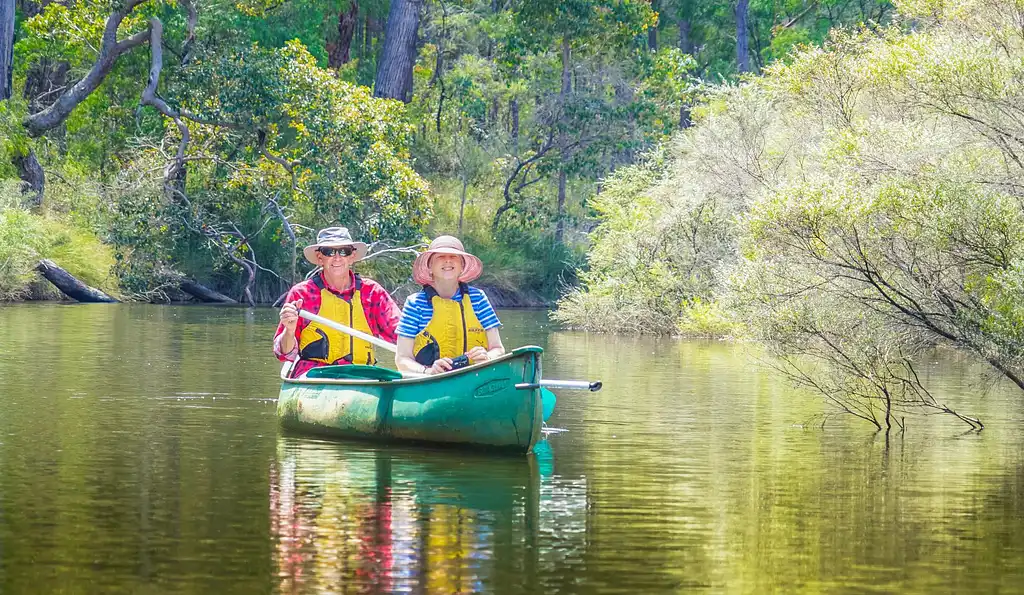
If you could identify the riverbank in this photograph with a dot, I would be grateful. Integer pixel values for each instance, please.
(47, 281)
(503, 298)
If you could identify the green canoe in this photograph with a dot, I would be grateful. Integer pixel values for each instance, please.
(496, 404)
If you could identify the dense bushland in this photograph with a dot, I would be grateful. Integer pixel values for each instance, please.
(850, 209)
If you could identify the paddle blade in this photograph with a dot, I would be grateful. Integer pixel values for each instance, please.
(547, 400)
(545, 458)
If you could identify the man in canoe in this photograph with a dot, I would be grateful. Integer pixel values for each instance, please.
(338, 294)
(449, 319)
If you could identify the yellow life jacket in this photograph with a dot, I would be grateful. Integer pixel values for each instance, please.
(453, 329)
(328, 346)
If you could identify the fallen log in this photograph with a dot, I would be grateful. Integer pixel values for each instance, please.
(204, 294)
(71, 287)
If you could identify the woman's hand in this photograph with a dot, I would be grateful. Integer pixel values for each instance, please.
(290, 315)
(441, 365)
(478, 354)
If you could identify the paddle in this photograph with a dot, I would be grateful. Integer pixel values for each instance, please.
(547, 403)
(566, 384)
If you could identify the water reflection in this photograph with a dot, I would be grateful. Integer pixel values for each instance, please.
(141, 463)
(347, 517)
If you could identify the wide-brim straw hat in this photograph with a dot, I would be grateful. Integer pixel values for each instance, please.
(333, 237)
(471, 270)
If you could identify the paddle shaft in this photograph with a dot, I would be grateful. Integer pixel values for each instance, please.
(349, 330)
(565, 384)
(572, 384)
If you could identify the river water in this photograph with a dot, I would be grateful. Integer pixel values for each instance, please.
(140, 453)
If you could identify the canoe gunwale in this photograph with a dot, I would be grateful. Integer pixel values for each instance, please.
(420, 379)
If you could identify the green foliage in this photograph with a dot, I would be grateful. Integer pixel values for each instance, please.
(779, 28)
(350, 148)
(708, 320)
(536, 24)
(25, 238)
(668, 238)
(862, 206)
(347, 152)
(490, 104)
(272, 128)
(521, 266)
(644, 266)
(15, 142)
(105, 125)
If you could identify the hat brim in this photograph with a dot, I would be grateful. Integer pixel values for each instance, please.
(310, 251)
(421, 267)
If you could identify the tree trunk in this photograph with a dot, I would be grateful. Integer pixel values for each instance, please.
(44, 82)
(490, 40)
(742, 47)
(70, 286)
(30, 8)
(652, 31)
(176, 178)
(462, 203)
(33, 178)
(513, 108)
(357, 39)
(394, 71)
(685, 46)
(685, 43)
(6, 48)
(340, 52)
(440, 110)
(175, 172)
(566, 72)
(368, 37)
(560, 224)
(438, 76)
(204, 294)
(109, 51)
(563, 141)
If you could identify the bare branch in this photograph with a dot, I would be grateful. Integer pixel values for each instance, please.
(190, 30)
(799, 16)
(289, 166)
(548, 145)
(110, 50)
(150, 97)
(413, 250)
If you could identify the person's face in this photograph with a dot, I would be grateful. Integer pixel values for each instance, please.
(446, 267)
(336, 260)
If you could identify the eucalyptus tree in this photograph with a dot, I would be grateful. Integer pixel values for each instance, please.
(6, 47)
(253, 145)
(394, 71)
(742, 42)
(587, 110)
(339, 50)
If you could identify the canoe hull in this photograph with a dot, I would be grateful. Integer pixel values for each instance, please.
(476, 406)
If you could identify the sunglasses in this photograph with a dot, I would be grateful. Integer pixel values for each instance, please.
(329, 252)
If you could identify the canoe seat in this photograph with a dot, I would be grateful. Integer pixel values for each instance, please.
(354, 372)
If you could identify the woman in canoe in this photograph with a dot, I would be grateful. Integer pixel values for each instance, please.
(449, 318)
(338, 294)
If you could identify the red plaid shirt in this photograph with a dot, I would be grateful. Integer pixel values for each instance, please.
(382, 314)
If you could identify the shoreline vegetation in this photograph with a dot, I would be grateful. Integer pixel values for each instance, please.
(146, 144)
(851, 209)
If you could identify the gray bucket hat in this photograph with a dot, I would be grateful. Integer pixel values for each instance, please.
(333, 237)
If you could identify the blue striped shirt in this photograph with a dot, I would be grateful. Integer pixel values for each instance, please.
(418, 311)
